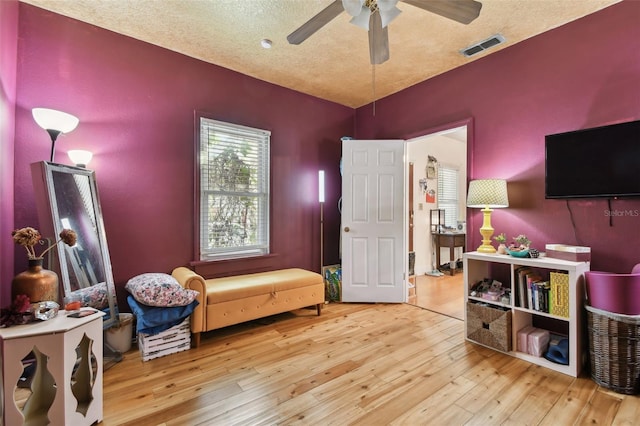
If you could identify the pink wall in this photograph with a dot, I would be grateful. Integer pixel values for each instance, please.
(136, 104)
(8, 60)
(584, 74)
(136, 101)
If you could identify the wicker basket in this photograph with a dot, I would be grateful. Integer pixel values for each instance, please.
(489, 326)
(614, 349)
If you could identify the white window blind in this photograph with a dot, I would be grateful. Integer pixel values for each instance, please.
(234, 190)
(448, 194)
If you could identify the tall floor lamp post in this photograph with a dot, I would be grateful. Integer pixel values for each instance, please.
(321, 201)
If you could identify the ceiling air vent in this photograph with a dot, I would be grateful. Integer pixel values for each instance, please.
(483, 45)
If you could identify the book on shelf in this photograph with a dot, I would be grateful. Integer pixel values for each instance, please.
(521, 274)
(532, 295)
(533, 291)
(542, 296)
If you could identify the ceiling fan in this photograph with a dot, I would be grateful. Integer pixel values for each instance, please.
(375, 15)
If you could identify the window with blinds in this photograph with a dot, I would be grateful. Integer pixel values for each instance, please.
(233, 170)
(448, 194)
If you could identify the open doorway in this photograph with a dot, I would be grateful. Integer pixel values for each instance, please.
(433, 155)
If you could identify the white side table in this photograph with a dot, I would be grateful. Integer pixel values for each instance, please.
(63, 349)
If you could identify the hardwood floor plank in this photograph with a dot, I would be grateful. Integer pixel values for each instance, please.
(601, 409)
(498, 409)
(444, 295)
(497, 373)
(438, 406)
(360, 364)
(571, 403)
(541, 399)
(322, 377)
(409, 390)
(628, 412)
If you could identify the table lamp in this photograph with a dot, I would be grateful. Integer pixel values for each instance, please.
(487, 194)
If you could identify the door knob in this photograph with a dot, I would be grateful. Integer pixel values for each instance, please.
(346, 229)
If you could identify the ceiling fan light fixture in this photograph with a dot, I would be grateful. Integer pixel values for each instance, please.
(362, 19)
(389, 15)
(386, 5)
(375, 16)
(353, 7)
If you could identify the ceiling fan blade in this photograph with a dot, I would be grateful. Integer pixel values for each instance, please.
(463, 11)
(314, 24)
(378, 40)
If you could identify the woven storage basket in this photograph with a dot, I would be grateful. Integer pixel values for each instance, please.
(490, 326)
(614, 349)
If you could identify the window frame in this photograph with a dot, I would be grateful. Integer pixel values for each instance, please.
(443, 169)
(263, 248)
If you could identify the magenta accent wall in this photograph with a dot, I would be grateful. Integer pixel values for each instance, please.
(8, 61)
(136, 104)
(580, 75)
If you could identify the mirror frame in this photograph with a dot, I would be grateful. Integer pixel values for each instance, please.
(51, 225)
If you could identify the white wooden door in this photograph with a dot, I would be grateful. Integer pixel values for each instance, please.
(373, 221)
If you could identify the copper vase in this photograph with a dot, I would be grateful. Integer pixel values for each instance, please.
(38, 284)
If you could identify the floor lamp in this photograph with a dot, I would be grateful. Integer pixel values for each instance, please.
(321, 201)
(54, 122)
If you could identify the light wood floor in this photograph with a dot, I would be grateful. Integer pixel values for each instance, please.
(356, 364)
(444, 295)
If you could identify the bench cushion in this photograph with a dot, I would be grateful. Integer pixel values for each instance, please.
(242, 286)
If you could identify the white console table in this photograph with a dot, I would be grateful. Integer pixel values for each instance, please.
(67, 382)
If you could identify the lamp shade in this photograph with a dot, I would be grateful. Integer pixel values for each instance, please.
(353, 7)
(362, 19)
(491, 193)
(51, 119)
(388, 15)
(80, 157)
(361, 11)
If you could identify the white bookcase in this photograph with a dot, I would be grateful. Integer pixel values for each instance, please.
(503, 268)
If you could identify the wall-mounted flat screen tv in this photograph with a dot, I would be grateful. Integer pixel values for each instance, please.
(597, 162)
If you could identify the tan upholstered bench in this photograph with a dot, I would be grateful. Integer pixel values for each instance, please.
(232, 300)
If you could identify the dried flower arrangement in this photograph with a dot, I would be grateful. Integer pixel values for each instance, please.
(28, 238)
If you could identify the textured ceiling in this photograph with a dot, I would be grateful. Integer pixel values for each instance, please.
(333, 63)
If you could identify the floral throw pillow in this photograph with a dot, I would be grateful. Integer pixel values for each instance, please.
(162, 290)
(95, 296)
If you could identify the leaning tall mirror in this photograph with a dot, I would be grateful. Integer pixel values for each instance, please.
(67, 198)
